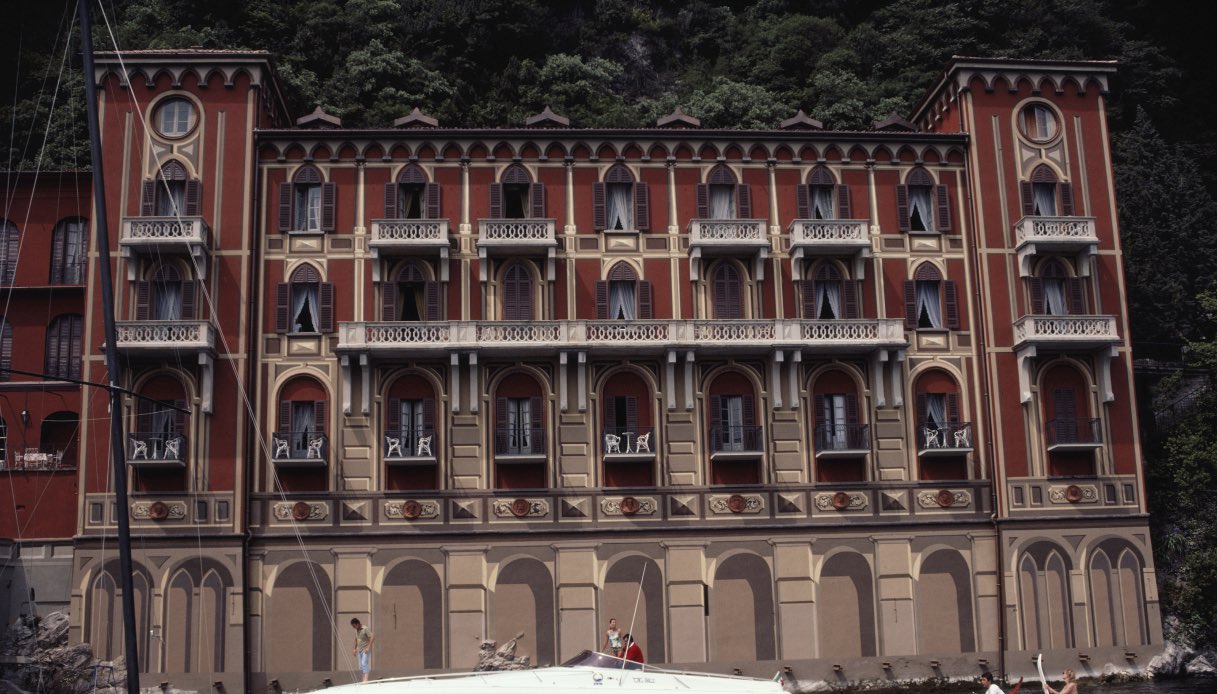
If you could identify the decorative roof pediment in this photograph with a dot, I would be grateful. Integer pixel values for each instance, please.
(895, 123)
(319, 119)
(547, 119)
(678, 119)
(415, 119)
(801, 121)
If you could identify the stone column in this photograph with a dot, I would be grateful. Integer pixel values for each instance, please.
(893, 570)
(686, 601)
(353, 586)
(985, 575)
(466, 573)
(576, 587)
(257, 608)
(796, 597)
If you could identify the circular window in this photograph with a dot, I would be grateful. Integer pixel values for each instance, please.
(1038, 123)
(175, 117)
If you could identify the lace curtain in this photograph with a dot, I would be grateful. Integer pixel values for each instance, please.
(920, 217)
(722, 202)
(304, 307)
(828, 300)
(621, 301)
(168, 301)
(821, 202)
(1044, 195)
(928, 305)
(620, 206)
(1054, 297)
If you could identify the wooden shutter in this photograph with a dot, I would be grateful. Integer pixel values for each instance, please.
(1028, 195)
(743, 193)
(716, 415)
(431, 300)
(500, 419)
(749, 410)
(642, 206)
(943, 222)
(536, 196)
(610, 414)
(703, 201)
(147, 199)
(1077, 296)
(807, 294)
(59, 254)
(11, 253)
(285, 207)
(923, 409)
(845, 208)
(52, 348)
(599, 211)
(326, 311)
(496, 200)
(645, 312)
(1064, 404)
(76, 327)
(602, 293)
(536, 436)
(319, 418)
(393, 416)
(188, 300)
(432, 196)
(179, 419)
(952, 304)
(902, 208)
(388, 301)
(143, 300)
(285, 416)
(429, 415)
(1036, 285)
(910, 305)
(953, 409)
(817, 404)
(194, 197)
(849, 294)
(329, 195)
(851, 409)
(802, 194)
(391, 200)
(1066, 190)
(631, 413)
(6, 349)
(283, 302)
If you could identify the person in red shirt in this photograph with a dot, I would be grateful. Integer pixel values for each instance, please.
(632, 651)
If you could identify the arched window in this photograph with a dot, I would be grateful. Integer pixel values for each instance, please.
(411, 196)
(68, 252)
(722, 197)
(1055, 293)
(921, 205)
(10, 249)
(58, 436)
(736, 443)
(619, 203)
(927, 298)
(1040, 194)
(622, 296)
(943, 430)
(841, 439)
(517, 293)
(63, 345)
(172, 193)
(305, 304)
(306, 203)
(165, 296)
(816, 198)
(411, 297)
(515, 196)
(411, 444)
(829, 294)
(520, 434)
(727, 292)
(302, 421)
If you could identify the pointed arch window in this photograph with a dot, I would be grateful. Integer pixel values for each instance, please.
(816, 199)
(619, 203)
(515, 196)
(622, 296)
(723, 197)
(829, 295)
(307, 203)
(411, 196)
(929, 302)
(517, 293)
(166, 295)
(68, 251)
(172, 193)
(10, 249)
(921, 205)
(727, 292)
(305, 305)
(1055, 293)
(411, 296)
(1043, 195)
(63, 346)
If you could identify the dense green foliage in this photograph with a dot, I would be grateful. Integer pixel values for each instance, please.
(734, 64)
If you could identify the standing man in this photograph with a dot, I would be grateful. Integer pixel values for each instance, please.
(986, 681)
(363, 647)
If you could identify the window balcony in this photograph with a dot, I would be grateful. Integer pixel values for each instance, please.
(735, 237)
(299, 448)
(165, 235)
(35, 459)
(1055, 235)
(842, 440)
(519, 444)
(410, 447)
(629, 445)
(1066, 332)
(416, 237)
(1070, 434)
(165, 338)
(953, 439)
(737, 442)
(507, 237)
(156, 449)
(830, 237)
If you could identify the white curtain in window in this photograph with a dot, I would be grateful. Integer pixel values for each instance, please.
(308, 207)
(928, 303)
(834, 420)
(621, 301)
(519, 420)
(168, 301)
(620, 206)
(304, 307)
(830, 293)
(936, 410)
(722, 202)
(171, 198)
(163, 421)
(1054, 297)
(1044, 195)
(920, 217)
(733, 421)
(821, 202)
(73, 249)
(302, 427)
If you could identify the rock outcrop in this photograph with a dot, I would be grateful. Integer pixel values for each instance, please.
(501, 658)
(1179, 660)
(39, 659)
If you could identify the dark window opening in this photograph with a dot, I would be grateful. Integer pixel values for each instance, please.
(515, 200)
(410, 200)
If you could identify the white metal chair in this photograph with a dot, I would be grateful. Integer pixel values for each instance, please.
(931, 437)
(612, 443)
(962, 439)
(394, 447)
(424, 447)
(314, 448)
(643, 443)
(281, 448)
(139, 449)
(173, 448)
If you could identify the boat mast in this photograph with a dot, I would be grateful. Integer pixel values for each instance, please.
(118, 461)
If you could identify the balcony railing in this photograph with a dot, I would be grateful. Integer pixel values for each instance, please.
(1056, 235)
(35, 459)
(1069, 433)
(1077, 332)
(525, 442)
(408, 234)
(629, 444)
(164, 235)
(829, 235)
(518, 234)
(147, 448)
(950, 439)
(157, 336)
(732, 440)
(412, 445)
(842, 440)
(300, 448)
(728, 235)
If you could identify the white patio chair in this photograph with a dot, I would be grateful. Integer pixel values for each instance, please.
(643, 443)
(314, 448)
(424, 447)
(281, 448)
(962, 438)
(394, 447)
(931, 437)
(612, 443)
(139, 449)
(173, 448)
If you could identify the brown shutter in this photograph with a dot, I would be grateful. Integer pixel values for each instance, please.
(6, 350)
(326, 299)
(642, 206)
(59, 255)
(817, 404)
(393, 417)
(283, 302)
(147, 199)
(923, 409)
(536, 195)
(602, 292)
(431, 300)
(716, 414)
(952, 304)
(1064, 404)
(1036, 285)
(910, 305)
(610, 414)
(496, 200)
(849, 292)
(749, 409)
(194, 197)
(500, 414)
(285, 207)
(807, 292)
(536, 437)
(851, 409)
(902, 208)
(1077, 296)
(143, 300)
(743, 192)
(52, 348)
(943, 223)
(599, 213)
(429, 414)
(319, 418)
(802, 195)
(433, 196)
(329, 195)
(953, 408)
(388, 301)
(1066, 198)
(845, 208)
(391, 200)
(1028, 195)
(631, 413)
(179, 418)
(703, 201)
(188, 300)
(645, 312)
(72, 368)
(285, 416)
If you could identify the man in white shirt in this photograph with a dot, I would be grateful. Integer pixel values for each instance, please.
(986, 681)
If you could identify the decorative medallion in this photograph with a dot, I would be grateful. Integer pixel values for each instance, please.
(737, 503)
(301, 511)
(158, 510)
(628, 506)
(945, 498)
(1074, 494)
(412, 509)
(841, 501)
(521, 508)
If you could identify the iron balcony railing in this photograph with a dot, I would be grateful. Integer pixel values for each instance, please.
(155, 447)
(1069, 431)
(628, 441)
(300, 446)
(516, 440)
(953, 436)
(410, 442)
(842, 437)
(737, 439)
